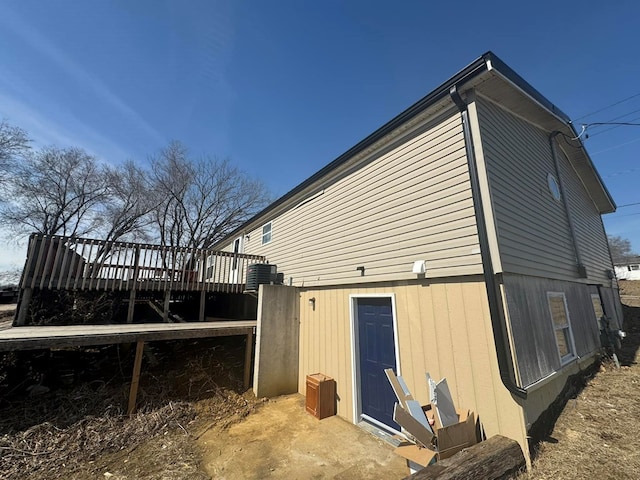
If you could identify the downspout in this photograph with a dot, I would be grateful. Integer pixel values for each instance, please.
(581, 269)
(498, 322)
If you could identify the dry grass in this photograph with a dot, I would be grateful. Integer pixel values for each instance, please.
(596, 436)
(82, 432)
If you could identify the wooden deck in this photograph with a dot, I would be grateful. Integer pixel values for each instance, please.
(44, 337)
(89, 265)
(30, 338)
(68, 263)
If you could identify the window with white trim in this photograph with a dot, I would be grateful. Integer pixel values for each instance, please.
(561, 326)
(266, 233)
(633, 267)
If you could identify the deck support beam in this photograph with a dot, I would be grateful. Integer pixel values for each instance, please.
(203, 298)
(135, 377)
(23, 309)
(132, 304)
(167, 300)
(248, 351)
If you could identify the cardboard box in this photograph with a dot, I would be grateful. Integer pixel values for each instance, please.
(450, 439)
(417, 457)
(454, 438)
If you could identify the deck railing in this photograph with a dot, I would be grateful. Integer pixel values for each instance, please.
(68, 263)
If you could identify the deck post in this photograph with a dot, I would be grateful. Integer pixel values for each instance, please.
(25, 300)
(135, 377)
(132, 295)
(167, 300)
(203, 298)
(247, 359)
(132, 304)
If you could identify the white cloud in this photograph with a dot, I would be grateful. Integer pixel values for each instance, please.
(46, 131)
(11, 21)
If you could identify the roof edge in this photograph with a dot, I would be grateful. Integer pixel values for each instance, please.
(486, 62)
(470, 71)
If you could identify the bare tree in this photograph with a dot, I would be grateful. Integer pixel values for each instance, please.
(203, 199)
(621, 250)
(130, 200)
(55, 191)
(10, 277)
(14, 143)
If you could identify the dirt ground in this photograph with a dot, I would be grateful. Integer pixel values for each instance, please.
(283, 441)
(197, 423)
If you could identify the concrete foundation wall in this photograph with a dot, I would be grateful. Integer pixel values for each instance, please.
(277, 339)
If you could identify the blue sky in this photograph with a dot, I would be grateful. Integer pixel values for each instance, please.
(284, 87)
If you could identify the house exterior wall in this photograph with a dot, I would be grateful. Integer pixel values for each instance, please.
(532, 228)
(410, 201)
(443, 328)
(532, 327)
(533, 250)
(628, 272)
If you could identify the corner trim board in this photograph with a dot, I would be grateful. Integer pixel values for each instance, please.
(498, 321)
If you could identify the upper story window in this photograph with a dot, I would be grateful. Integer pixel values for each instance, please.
(266, 233)
(561, 326)
(554, 188)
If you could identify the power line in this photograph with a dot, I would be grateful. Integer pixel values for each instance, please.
(628, 204)
(608, 106)
(614, 147)
(616, 124)
(585, 126)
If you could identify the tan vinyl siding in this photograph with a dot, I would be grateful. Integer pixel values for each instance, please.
(533, 232)
(590, 233)
(444, 328)
(410, 203)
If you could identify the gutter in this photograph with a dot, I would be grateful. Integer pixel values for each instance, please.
(498, 321)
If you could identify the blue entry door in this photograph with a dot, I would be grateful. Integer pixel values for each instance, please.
(376, 353)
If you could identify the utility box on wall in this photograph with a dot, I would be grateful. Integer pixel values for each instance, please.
(321, 396)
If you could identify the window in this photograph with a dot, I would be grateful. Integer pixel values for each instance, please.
(554, 188)
(211, 265)
(236, 250)
(561, 326)
(266, 233)
(634, 267)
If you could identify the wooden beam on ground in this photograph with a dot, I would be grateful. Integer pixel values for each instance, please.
(498, 458)
(135, 378)
(156, 309)
(247, 359)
